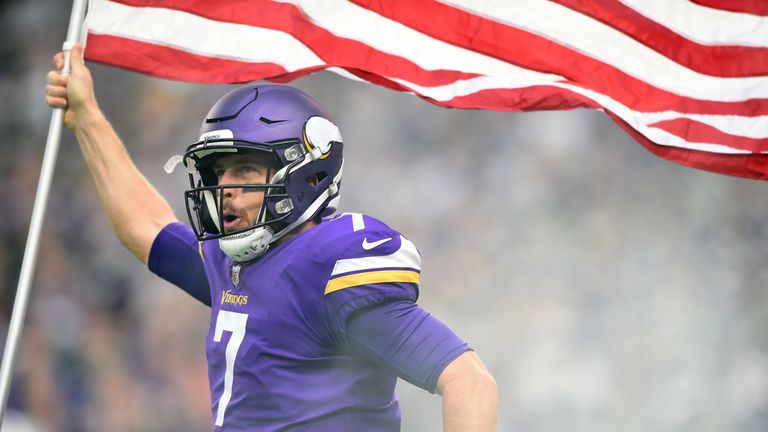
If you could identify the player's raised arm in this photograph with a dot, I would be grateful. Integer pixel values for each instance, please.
(136, 211)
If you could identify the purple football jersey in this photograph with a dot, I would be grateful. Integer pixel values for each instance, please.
(276, 346)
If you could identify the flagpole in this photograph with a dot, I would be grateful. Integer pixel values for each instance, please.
(21, 303)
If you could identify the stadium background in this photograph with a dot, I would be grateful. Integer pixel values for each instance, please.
(605, 289)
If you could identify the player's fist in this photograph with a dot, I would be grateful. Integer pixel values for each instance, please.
(73, 93)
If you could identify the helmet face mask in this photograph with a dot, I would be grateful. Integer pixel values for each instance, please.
(205, 197)
(300, 145)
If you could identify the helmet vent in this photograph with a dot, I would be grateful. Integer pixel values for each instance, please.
(218, 116)
(269, 121)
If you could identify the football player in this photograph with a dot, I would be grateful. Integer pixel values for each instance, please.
(313, 314)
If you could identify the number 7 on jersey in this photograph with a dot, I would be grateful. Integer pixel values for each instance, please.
(235, 323)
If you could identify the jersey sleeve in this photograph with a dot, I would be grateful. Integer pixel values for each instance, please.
(372, 264)
(175, 257)
(405, 339)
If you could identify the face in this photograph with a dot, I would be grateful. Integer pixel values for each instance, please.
(241, 206)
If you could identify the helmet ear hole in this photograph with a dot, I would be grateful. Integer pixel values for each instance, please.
(315, 179)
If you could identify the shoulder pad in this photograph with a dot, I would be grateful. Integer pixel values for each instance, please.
(367, 251)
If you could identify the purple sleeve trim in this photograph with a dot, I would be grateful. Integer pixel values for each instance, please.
(406, 339)
(175, 257)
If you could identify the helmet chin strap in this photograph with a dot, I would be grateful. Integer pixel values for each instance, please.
(247, 245)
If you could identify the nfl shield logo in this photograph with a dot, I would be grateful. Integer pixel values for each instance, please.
(236, 275)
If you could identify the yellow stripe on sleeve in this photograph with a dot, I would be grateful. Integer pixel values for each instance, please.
(200, 249)
(371, 277)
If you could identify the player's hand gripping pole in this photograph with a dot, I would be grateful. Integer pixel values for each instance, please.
(21, 303)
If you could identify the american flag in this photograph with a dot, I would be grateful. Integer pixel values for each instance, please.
(687, 79)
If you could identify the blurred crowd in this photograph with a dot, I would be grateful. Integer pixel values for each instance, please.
(606, 289)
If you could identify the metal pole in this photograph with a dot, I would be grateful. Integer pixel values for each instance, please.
(20, 305)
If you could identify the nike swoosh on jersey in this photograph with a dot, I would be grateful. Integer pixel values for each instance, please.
(371, 245)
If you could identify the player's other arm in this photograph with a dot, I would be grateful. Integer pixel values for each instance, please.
(136, 211)
(422, 350)
(470, 396)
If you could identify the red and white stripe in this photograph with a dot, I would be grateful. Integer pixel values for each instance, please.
(688, 79)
